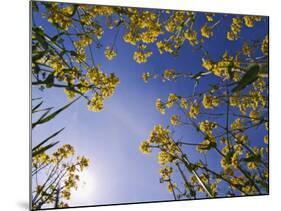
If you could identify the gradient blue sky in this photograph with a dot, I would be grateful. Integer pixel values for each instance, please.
(110, 138)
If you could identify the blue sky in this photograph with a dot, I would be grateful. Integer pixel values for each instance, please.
(119, 173)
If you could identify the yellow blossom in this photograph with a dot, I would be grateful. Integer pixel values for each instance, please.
(206, 31)
(255, 116)
(194, 109)
(237, 125)
(84, 41)
(207, 127)
(183, 103)
(145, 77)
(264, 46)
(96, 103)
(265, 139)
(165, 172)
(145, 147)
(210, 101)
(164, 46)
(207, 64)
(191, 36)
(109, 53)
(246, 49)
(160, 106)
(175, 120)
(169, 74)
(171, 186)
(172, 99)
(164, 158)
(141, 57)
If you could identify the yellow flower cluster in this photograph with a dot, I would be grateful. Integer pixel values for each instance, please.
(235, 159)
(63, 160)
(96, 103)
(141, 56)
(145, 77)
(247, 188)
(172, 99)
(95, 11)
(234, 100)
(130, 38)
(210, 101)
(221, 68)
(164, 46)
(265, 139)
(109, 53)
(83, 162)
(60, 17)
(160, 106)
(105, 84)
(64, 152)
(210, 17)
(237, 125)
(207, 127)
(235, 29)
(164, 158)
(183, 103)
(191, 36)
(241, 138)
(161, 137)
(175, 120)
(249, 20)
(175, 21)
(84, 85)
(98, 31)
(194, 109)
(145, 147)
(169, 74)
(264, 46)
(246, 49)
(253, 161)
(166, 172)
(207, 64)
(143, 27)
(171, 186)
(206, 31)
(58, 66)
(150, 35)
(83, 42)
(255, 116)
(70, 93)
(206, 144)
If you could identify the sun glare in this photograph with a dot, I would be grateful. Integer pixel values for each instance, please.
(85, 189)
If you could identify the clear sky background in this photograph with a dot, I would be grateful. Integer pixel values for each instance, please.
(119, 172)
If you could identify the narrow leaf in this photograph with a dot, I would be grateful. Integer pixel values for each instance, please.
(53, 115)
(43, 149)
(249, 77)
(47, 139)
(37, 106)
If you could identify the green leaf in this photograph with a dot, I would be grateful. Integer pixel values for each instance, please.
(49, 81)
(249, 77)
(264, 69)
(38, 56)
(253, 158)
(43, 149)
(34, 6)
(54, 38)
(47, 139)
(42, 117)
(39, 34)
(53, 115)
(37, 106)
